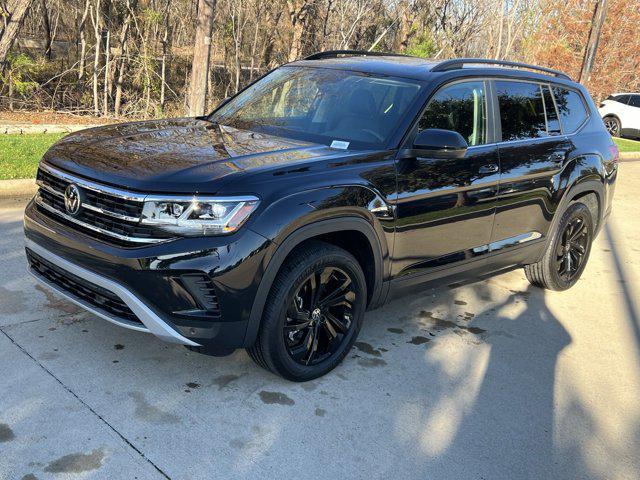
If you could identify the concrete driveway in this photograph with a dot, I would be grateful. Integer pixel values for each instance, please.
(495, 380)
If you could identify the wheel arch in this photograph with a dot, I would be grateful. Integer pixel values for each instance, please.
(590, 189)
(335, 231)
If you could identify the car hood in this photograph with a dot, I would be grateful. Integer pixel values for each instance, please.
(178, 155)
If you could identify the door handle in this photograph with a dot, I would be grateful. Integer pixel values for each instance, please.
(490, 168)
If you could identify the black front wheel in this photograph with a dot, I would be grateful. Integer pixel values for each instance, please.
(313, 313)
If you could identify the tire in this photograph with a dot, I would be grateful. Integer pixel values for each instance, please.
(290, 303)
(554, 271)
(613, 126)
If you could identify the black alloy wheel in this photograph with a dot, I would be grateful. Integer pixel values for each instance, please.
(567, 251)
(320, 316)
(313, 313)
(572, 248)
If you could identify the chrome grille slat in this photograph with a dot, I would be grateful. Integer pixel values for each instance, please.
(114, 192)
(88, 226)
(105, 211)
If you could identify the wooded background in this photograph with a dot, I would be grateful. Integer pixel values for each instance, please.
(153, 58)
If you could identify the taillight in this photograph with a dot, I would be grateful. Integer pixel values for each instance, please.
(615, 153)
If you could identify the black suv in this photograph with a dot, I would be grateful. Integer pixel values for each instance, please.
(327, 187)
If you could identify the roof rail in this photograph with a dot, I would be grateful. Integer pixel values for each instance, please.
(456, 63)
(336, 53)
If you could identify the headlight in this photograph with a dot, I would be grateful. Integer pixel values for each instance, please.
(198, 216)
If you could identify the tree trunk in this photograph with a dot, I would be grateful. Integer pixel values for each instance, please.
(12, 28)
(122, 62)
(165, 52)
(599, 15)
(96, 61)
(83, 44)
(107, 52)
(406, 30)
(47, 30)
(296, 41)
(299, 11)
(201, 52)
(11, 92)
(254, 45)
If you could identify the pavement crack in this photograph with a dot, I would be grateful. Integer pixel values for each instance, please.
(100, 417)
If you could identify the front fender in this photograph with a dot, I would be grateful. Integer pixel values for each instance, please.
(305, 215)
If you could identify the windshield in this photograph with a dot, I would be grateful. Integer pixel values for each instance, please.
(323, 106)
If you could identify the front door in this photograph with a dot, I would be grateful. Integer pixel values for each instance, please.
(445, 207)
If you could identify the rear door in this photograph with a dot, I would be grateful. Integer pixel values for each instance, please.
(532, 150)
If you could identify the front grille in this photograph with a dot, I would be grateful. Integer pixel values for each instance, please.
(81, 289)
(106, 216)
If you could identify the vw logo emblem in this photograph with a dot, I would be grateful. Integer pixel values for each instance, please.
(72, 200)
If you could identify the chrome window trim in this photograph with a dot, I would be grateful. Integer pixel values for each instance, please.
(152, 321)
(487, 96)
(551, 86)
(124, 238)
(582, 100)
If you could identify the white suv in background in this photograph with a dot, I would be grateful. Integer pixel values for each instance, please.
(621, 114)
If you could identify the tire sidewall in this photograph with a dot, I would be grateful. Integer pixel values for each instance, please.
(294, 278)
(574, 211)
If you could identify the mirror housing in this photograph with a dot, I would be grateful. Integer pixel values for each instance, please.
(437, 143)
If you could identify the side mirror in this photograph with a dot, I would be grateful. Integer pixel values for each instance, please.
(434, 142)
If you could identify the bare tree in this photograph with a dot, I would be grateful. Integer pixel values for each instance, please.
(121, 62)
(47, 29)
(300, 12)
(97, 34)
(165, 52)
(18, 10)
(201, 54)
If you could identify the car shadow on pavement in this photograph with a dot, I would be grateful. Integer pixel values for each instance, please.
(493, 403)
(629, 299)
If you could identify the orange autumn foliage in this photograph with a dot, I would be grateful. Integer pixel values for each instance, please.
(560, 39)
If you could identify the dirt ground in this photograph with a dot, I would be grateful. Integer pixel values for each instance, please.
(51, 118)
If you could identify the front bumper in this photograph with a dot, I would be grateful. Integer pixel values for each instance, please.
(149, 321)
(154, 288)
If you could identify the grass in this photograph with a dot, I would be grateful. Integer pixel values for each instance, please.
(20, 154)
(625, 145)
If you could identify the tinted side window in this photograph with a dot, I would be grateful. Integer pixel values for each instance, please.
(635, 101)
(553, 124)
(571, 108)
(521, 110)
(622, 99)
(459, 107)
